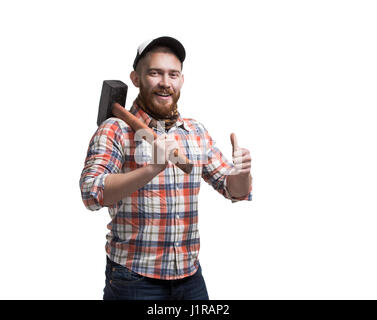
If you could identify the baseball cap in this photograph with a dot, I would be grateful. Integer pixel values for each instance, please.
(169, 42)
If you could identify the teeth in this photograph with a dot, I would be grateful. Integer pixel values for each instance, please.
(163, 94)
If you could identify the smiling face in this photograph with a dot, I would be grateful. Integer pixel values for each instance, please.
(159, 77)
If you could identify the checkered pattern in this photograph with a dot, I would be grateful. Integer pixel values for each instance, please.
(154, 231)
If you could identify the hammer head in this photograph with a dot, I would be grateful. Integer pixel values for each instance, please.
(112, 91)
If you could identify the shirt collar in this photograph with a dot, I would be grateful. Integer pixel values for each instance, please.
(146, 118)
(183, 123)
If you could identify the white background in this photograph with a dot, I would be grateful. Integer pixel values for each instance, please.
(295, 80)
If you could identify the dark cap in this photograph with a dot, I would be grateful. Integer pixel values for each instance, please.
(169, 42)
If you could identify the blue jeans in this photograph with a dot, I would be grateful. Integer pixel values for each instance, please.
(124, 284)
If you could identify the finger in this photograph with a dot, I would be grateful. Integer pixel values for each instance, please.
(235, 171)
(244, 171)
(240, 166)
(237, 160)
(241, 152)
(233, 140)
(245, 151)
(240, 159)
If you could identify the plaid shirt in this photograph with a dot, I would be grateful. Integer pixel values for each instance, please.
(154, 231)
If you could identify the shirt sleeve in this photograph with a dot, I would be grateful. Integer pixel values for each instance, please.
(105, 155)
(216, 168)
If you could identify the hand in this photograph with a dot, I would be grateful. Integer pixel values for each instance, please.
(163, 150)
(241, 158)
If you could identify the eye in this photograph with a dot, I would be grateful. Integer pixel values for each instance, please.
(174, 75)
(153, 73)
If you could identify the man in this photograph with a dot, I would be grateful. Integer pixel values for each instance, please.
(153, 244)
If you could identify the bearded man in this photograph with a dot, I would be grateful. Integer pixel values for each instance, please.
(153, 241)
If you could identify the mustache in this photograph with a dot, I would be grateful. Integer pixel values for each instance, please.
(163, 91)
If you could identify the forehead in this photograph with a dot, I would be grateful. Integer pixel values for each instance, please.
(161, 60)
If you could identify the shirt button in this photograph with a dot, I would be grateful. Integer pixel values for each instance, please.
(177, 216)
(177, 244)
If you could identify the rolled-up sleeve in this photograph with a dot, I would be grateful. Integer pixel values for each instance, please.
(216, 168)
(105, 155)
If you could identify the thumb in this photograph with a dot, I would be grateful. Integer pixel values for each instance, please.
(233, 140)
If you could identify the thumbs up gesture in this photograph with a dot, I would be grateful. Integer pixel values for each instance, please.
(241, 157)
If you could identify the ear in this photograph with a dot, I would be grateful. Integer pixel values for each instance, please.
(182, 80)
(135, 79)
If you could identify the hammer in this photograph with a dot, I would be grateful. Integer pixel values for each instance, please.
(112, 101)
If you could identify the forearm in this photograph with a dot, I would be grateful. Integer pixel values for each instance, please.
(239, 185)
(120, 185)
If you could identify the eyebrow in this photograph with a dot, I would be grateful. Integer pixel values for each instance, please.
(158, 69)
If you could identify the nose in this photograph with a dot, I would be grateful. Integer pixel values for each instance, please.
(164, 82)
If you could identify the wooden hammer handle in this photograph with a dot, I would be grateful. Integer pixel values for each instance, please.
(120, 112)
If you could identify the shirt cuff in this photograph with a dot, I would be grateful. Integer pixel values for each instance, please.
(93, 197)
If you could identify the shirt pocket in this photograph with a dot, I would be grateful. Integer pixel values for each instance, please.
(123, 274)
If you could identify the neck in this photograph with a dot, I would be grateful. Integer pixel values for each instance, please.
(169, 119)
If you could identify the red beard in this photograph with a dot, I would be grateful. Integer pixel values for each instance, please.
(161, 110)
